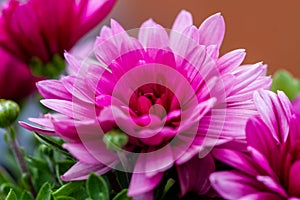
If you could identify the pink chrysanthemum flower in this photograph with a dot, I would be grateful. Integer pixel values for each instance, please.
(37, 32)
(168, 97)
(42, 28)
(270, 169)
(15, 85)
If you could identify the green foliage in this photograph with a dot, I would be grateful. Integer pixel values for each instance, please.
(97, 188)
(51, 69)
(122, 195)
(68, 189)
(284, 81)
(26, 196)
(115, 140)
(11, 195)
(45, 192)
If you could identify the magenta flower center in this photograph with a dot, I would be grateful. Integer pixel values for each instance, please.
(154, 107)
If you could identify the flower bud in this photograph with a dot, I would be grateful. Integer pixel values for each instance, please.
(115, 140)
(9, 111)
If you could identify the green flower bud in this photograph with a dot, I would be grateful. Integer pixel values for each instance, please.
(9, 111)
(115, 140)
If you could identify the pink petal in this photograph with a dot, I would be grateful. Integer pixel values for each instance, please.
(37, 129)
(81, 171)
(237, 160)
(262, 196)
(152, 35)
(194, 175)
(183, 20)
(78, 88)
(73, 63)
(76, 110)
(212, 30)
(141, 184)
(231, 60)
(53, 89)
(274, 110)
(154, 162)
(234, 185)
(294, 180)
(296, 105)
(80, 152)
(260, 138)
(263, 162)
(94, 12)
(272, 184)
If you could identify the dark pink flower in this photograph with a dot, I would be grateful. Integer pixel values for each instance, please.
(43, 28)
(16, 80)
(270, 169)
(37, 32)
(171, 96)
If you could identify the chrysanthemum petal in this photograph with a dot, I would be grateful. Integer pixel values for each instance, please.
(183, 20)
(141, 184)
(231, 60)
(237, 160)
(37, 129)
(53, 89)
(212, 30)
(153, 35)
(240, 185)
(294, 177)
(194, 175)
(81, 171)
(262, 196)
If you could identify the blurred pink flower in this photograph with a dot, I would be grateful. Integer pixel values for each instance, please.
(35, 31)
(171, 95)
(270, 169)
(16, 80)
(42, 28)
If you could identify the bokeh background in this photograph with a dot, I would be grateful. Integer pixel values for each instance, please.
(268, 30)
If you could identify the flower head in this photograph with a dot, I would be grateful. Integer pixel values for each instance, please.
(35, 33)
(43, 28)
(171, 95)
(270, 168)
(16, 80)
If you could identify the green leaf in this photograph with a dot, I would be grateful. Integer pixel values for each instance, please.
(122, 179)
(64, 198)
(45, 192)
(26, 196)
(97, 188)
(11, 195)
(4, 176)
(122, 195)
(6, 187)
(284, 81)
(38, 164)
(67, 189)
(61, 167)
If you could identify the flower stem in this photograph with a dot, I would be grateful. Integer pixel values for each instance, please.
(11, 133)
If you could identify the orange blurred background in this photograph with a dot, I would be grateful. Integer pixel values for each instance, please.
(268, 30)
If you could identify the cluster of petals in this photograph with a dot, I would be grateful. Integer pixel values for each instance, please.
(171, 94)
(40, 29)
(270, 167)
